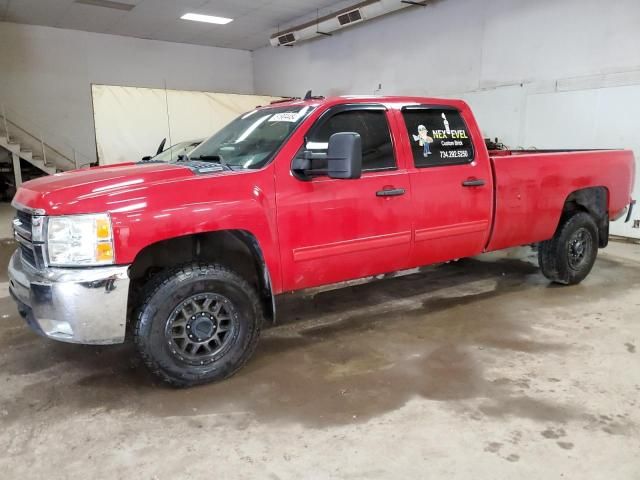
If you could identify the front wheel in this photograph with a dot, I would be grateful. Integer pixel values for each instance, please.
(568, 257)
(198, 323)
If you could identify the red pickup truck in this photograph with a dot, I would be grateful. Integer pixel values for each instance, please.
(188, 255)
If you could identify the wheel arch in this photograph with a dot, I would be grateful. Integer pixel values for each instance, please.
(595, 201)
(238, 250)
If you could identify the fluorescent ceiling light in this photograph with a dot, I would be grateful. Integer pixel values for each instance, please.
(107, 4)
(196, 17)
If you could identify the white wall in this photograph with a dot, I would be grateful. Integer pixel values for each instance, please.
(46, 75)
(458, 46)
(545, 73)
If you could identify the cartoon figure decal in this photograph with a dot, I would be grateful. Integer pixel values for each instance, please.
(423, 139)
(446, 124)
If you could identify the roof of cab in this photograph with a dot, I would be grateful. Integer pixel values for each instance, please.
(385, 100)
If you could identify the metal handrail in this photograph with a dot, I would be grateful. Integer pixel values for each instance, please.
(73, 163)
(36, 139)
(4, 117)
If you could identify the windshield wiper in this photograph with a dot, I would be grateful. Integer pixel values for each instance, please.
(183, 157)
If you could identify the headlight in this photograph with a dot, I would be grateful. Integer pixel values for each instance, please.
(80, 240)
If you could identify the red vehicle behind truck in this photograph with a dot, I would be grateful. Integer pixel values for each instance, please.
(188, 255)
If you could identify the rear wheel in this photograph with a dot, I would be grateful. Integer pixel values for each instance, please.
(198, 323)
(568, 257)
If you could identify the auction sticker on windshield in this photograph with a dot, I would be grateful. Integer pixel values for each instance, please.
(286, 116)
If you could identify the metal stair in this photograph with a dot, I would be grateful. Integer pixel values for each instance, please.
(27, 155)
(23, 145)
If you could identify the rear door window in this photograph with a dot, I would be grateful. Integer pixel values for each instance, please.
(438, 136)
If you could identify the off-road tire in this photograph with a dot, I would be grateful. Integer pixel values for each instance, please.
(557, 260)
(165, 293)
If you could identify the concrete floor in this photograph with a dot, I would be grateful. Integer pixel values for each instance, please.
(477, 369)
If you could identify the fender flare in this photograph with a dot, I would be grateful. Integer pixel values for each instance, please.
(266, 286)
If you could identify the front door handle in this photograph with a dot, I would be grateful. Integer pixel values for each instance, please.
(473, 182)
(390, 192)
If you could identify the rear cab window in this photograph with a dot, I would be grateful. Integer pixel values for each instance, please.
(438, 136)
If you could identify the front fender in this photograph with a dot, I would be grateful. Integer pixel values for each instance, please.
(236, 201)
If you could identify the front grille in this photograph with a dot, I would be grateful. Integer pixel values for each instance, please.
(28, 255)
(32, 254)
(25, 219)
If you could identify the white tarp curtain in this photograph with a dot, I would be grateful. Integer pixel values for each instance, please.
(130, 122)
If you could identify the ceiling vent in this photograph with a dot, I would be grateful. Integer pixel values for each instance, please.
(286, 39)
(349, 17)
(344, 18)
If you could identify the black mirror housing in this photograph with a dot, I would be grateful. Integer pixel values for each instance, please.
(146, 158)
(343, 159)
(344, 155)
(300, 165)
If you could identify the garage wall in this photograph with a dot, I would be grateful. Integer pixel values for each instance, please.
(549, 73)
(46, 76)
(459, 46)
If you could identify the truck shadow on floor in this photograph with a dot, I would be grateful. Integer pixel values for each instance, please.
(347, 355)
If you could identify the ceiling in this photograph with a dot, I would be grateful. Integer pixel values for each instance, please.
(253, 20)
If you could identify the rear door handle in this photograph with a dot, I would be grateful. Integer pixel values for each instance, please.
(473, 182)
(390, 192)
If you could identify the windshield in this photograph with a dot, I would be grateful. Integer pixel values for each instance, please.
(173, 151)
(251, 140)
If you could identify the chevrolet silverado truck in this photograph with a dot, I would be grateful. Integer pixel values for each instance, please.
(187, 256)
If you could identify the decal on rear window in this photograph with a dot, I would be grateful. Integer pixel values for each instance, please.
(438, 137)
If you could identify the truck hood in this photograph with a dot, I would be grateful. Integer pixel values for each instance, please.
(54, 193)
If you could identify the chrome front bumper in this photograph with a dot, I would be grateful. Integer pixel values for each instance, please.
(79, 305)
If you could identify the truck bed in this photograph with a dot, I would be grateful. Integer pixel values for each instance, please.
(531, 188)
